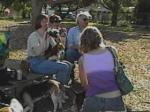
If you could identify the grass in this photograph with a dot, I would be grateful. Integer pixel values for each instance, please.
(5, 23)
(134, 51)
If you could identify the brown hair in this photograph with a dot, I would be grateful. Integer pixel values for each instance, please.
(91, 39)
(54, 18)
(39, 19)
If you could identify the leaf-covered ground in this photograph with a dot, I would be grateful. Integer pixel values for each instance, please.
(134, 51)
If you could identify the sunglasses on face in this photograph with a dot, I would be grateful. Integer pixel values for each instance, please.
(85, 19)
(56, 21)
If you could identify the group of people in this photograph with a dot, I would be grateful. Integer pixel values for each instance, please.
(84, 44)
(38, 42)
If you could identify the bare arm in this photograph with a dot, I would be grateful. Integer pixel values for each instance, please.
(82, 74)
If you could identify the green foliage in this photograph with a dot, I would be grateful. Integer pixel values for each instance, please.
(69, 24)
(6, 3)
(93, 13)
(117, 6)
(84, 3)
(123, 23)
(3, 47)
(24, 6)
(2, 38)
(129, 3)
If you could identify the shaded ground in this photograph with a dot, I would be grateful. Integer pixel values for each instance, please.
(134, 51)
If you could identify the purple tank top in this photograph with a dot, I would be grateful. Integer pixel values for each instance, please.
(99, 70)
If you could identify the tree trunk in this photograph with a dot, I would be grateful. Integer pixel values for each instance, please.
(114, 12)
(114, 18)
(36, 10)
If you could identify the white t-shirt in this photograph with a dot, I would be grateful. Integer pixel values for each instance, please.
(36, 45)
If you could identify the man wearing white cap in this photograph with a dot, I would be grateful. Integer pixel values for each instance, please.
(73, 38)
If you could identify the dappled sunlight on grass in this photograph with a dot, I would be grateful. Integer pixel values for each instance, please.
(4, 23)
(18, 54)
(134, 50)
(135, 54)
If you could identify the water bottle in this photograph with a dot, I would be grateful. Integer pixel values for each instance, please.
(19, 74)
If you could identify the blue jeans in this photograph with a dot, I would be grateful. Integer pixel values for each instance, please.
(62, 69)
(97, 104)
(72, 55)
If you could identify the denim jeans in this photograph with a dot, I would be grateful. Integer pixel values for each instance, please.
(62, 69)
(98, 104)
(72, 55)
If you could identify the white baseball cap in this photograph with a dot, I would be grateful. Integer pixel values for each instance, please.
(84, 15)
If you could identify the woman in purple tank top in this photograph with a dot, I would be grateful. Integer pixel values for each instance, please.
(96, 74)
